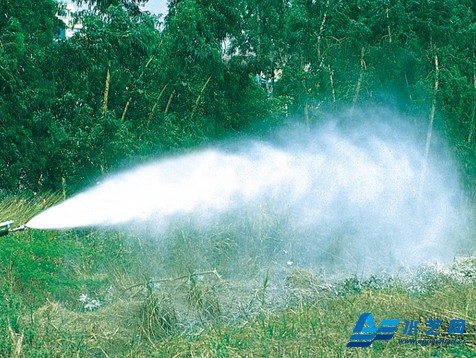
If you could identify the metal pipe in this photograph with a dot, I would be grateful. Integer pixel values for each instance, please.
(5, 228)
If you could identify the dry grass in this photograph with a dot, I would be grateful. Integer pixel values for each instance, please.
(316, 320)
(168, 301)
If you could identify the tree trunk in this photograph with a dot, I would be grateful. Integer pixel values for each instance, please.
(102, 164)
(106, 89)
(306, 115)
(331, 79)
(200, 96)
(321, 31)
(63, 186)
(258, 20)
(102, 158)
(363, 67)
(432, 109)
(473, 112)
(408, 88)
(129, 100)
(167, 107)
(152, 111)
(388, 26)
(431, 119)
(124, 112)
(306, 105)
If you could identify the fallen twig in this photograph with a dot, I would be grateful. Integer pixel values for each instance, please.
(171, 279)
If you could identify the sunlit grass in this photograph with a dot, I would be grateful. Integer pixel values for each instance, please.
(23, 209)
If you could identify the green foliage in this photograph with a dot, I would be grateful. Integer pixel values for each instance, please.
(100, 6)
(35, 264)
(131, 85)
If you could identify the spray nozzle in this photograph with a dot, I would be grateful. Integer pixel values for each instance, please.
(5, 228)
(19, 228)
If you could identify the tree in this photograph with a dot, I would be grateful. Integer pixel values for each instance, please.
(132, 85)
(102, 6)
(25, 28)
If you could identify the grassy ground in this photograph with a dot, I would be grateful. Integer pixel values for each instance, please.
(94, 293)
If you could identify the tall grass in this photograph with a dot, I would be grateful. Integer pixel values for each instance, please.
(233, 288)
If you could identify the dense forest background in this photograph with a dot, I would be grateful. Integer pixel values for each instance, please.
(131, 85)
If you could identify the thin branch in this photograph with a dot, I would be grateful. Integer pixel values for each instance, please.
(171, 279)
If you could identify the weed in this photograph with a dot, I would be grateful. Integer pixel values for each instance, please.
(158, 318)
(203, 298)
(165, 298)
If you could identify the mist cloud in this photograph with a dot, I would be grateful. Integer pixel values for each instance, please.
(351, 188)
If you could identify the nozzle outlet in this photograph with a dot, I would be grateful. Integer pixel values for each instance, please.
(19, 228)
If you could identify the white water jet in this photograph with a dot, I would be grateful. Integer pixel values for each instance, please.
(363, 178)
